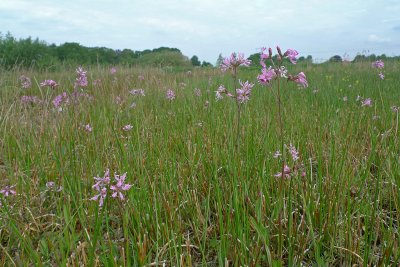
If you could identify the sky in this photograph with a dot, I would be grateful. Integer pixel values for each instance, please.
(206, 28)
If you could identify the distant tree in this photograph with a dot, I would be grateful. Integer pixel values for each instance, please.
(219, 60)
(206, 64)
(336, 58)
(309, 59)
(195, 61)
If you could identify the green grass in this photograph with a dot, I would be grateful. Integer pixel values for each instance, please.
(196, 200)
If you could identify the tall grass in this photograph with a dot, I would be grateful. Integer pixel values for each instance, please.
(196, 200)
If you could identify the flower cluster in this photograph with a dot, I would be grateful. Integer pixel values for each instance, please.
(25, 82)
(296, 168)
(49, 83)
(26, 99)
(243, 93)
(61, 99)
(81, 78)
(234, 61)
(379, 64)
(276, 71)
(137, 92)
(113, 70)
(7, 191)
(170, 95)
(102, 186)
(127, 127)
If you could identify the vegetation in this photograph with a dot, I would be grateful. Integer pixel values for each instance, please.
(36, 54)
(196, 199)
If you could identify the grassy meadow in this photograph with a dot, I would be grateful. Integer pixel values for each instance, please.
(199, 196)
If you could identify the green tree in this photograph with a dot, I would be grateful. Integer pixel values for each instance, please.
(195, 61)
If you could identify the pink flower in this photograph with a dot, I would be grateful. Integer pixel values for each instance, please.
(51, 186)
(170, 95)
(81, 79)
(300, 79)
(102, 181)
(101, 196)
(88, 128)
(395, 108)
(221, 90)
(381, 75)
(113, 70)
(243, 93)
(234, 61)
(291, 54)
(286, 172)
(8, 191)
(137, 92)
(26, 99)
(50, 83)
(127, 127)
(25, 82)
(120, 186)
(378, 64)
(266, 76)
(366, 103)
(293, 152)
(277, 154)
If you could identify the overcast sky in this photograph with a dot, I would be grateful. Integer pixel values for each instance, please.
(205, 28)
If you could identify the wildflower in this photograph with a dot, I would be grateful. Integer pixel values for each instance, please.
(51, 186)
(133, 105)
(61, 99)
(141, 77)
(120, 186)
(88, 128)
(218, 94)
(293, 151)
(127, 127)
(379, 64)
(300, 79)
(170, 95)
(243, 93)
(50, 83)
(277, 154)
(197, 92)
(101, 196)
(182, 85)
(8, 190)
(81, 79)
(266, 76)
(234, 61)
(206, 104)
(26, 99)
(381, 75)
(367, 102)
(25, 82)
(291, 54)
(395, 108)
(345, 98)
(113, 70)
(358, 98)
(102, 181)
(135, 92)
(286, 172)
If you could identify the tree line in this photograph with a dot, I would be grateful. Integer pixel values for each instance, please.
(37, 54)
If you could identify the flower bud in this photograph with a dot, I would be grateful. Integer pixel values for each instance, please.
(279, 51)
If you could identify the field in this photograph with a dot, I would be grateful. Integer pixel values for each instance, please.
(202, 186)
